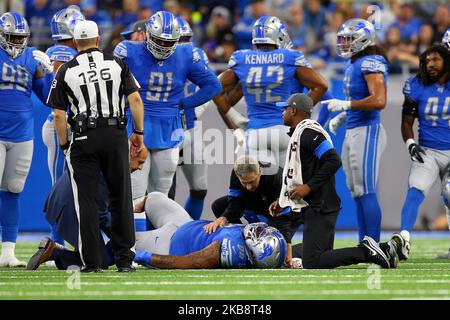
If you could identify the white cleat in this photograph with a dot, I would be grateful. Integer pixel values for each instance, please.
(11, 262)
(296, 263)
(402, 240)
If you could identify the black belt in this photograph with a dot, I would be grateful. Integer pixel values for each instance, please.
(105, 122)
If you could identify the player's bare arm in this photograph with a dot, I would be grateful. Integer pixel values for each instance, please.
(228, 80)
(311, 79)
(207, 258)
(377, 90)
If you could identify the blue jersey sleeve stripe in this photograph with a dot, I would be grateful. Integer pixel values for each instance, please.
(235, 193)
(322, 148)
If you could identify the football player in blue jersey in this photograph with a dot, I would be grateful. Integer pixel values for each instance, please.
(193, 164)
(266, 74)
(162, 69)
(178, 242)
(365, 140)
(427, 98)
(22, 70)
(62, 26)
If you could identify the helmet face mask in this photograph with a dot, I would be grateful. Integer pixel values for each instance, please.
(64, 21)
(354, 36)
(269, 30)
(14, 33)
(163, 34)
(265, 245)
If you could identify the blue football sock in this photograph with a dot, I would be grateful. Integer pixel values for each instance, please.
(361, 221)
(372, 215)
(194, 207)
(55, 235)
(414, 199)
(9, 215)
(143, 257)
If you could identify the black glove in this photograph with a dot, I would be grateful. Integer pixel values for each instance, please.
(415, 150)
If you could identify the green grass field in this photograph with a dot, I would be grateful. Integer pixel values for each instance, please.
(421, 277)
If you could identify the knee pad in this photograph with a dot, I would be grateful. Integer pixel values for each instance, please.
(198, 194)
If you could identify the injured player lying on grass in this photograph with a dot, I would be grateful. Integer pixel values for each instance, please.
(178, 242)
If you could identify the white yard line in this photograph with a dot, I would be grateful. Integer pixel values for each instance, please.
(223, 283)
(223, 292)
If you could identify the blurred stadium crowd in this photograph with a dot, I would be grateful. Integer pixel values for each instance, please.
(405, 28)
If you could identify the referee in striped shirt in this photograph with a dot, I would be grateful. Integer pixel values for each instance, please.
(92, 85)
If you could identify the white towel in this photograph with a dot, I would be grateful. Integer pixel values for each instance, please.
(292, 172)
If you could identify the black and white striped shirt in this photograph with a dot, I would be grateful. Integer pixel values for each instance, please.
(92, 83)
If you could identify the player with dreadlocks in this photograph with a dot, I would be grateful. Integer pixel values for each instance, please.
(427, 98)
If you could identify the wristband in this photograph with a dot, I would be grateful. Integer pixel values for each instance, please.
(138, 132)
(65, 146)
(409, 142)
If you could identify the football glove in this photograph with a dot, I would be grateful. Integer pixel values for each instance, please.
(44, 61)
(337, 105)
(415, 151)
(336, 122)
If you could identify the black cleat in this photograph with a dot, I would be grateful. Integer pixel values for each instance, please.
(390, 250)
(374, 253)
(126, 269)
(43, 254)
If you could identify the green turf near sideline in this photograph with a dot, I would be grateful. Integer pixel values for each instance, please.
(421, 277)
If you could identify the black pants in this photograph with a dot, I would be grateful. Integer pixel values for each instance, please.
(102, 149)
(316, 250)
(67, 258)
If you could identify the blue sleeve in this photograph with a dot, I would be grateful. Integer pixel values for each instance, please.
(121, 50)
(205, 79)
(234, 59)
(411, 89)
(203, 56)
(232, 252)
(322, 148)
(235, 193)
(373, 65)
(297, 59)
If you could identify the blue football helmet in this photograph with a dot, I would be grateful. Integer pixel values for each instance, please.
(266, 246)
(163, 34)
(354, 36)
(186, 32)
(446, 39)
(268, 30)
(64, 21)
(14, 33)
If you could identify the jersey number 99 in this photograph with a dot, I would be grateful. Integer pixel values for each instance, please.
(13, 78)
